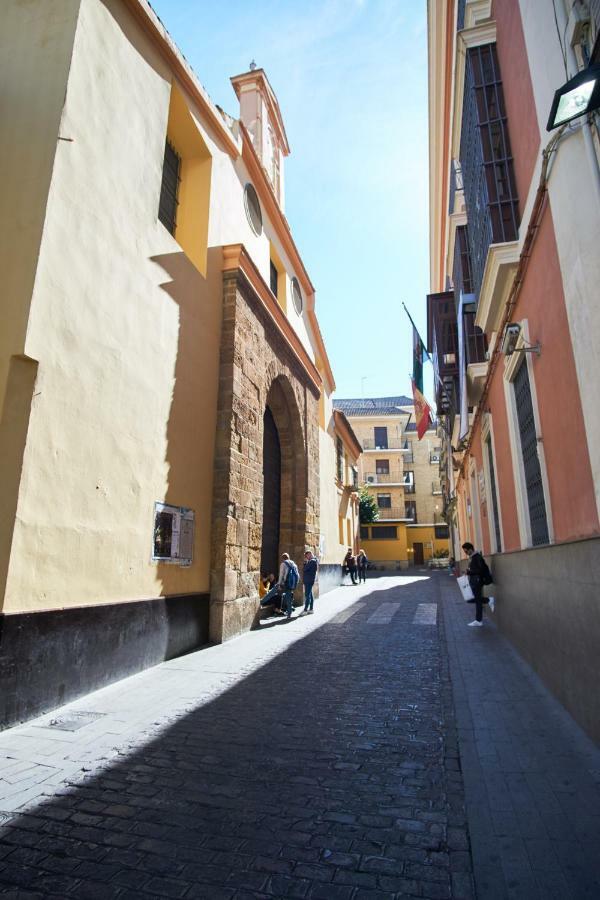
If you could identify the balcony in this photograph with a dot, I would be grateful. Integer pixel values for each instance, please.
(391, 512)
(391, 443)
(396, 476)
(409, 488)
(442, 340)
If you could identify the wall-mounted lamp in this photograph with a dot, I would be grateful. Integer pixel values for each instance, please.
(509, 341)
(580, 95)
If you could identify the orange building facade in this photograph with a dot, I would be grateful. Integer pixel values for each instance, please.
(513, 320)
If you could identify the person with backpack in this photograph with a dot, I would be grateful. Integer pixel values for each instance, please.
(479, 575)
(288, 582)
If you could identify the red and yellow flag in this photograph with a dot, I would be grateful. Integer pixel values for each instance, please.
(422, 411)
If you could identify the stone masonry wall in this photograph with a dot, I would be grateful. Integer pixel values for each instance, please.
(256, 368)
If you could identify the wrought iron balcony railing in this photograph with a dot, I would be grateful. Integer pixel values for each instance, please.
(390, 444)
(391, 512)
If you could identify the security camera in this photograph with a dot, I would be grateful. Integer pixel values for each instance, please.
(510, 338)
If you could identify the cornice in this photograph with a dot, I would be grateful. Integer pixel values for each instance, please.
(153, 27)
(500, 267)
(282, 229)
(265, 191)
(235, 258)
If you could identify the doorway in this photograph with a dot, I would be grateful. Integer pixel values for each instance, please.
(418, 556)
(269, 551)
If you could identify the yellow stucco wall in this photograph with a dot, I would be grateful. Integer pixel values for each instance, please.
(35, 55)
(339, 516)
(425, 534)
(123, 330)
(127, 333)
(402, 548)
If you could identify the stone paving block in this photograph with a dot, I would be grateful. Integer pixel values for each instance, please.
(206, 781)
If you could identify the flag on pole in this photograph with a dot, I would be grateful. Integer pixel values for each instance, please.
(422, 410)
(418, 350)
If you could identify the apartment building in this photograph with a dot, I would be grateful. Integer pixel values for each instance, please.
(402, 474)
(514, 319)
(166, 393)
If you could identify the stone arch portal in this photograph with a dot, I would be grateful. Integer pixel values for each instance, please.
(267, 438)
(284, 477)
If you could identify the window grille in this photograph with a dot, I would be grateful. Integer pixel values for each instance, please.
(441, 532)
(486, 159)
(531, 461)
(494, 494)
(384, 501)
(461, 272)
(169, 190)
(253, 210)
(274, 275)
(297, 296)
(339, 449)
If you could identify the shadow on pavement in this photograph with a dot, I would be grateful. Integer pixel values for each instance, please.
(319, 773)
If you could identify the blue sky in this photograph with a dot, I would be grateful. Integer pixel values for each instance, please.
(351, 80)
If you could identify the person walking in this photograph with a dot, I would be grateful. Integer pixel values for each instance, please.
(310, 570)
(362, 564)
(479, 574)
(349, 565)
(288, 582)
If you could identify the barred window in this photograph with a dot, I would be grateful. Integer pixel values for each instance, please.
(169, 190)
(486, 160)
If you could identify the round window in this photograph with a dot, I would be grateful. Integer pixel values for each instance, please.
(297, 296)
(253, 210)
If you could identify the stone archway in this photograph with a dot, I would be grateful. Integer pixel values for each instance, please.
(281, 411)
(258, 371)
(271, 508)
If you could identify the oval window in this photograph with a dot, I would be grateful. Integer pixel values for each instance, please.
(297, 296)
(253, 210)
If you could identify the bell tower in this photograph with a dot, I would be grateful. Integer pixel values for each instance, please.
(261, 116)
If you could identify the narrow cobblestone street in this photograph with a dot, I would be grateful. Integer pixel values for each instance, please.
(312, 758)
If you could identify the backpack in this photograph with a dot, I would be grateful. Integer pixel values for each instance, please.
(486, 575)
(293, 576)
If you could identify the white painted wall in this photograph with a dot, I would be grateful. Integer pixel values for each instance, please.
(575, 202)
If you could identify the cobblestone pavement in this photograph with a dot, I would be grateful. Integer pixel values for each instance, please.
(316, 758)
(532, 778)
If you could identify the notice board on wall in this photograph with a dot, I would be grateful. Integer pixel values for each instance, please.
(173, 534)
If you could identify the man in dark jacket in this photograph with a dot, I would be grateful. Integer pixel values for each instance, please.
(309, 575)
(478, 573)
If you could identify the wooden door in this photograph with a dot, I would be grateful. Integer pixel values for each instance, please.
(418, 554)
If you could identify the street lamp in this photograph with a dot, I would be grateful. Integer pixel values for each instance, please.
(580, 95)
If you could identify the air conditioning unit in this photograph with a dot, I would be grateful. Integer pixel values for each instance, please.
(435, 457)
(371, 479)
